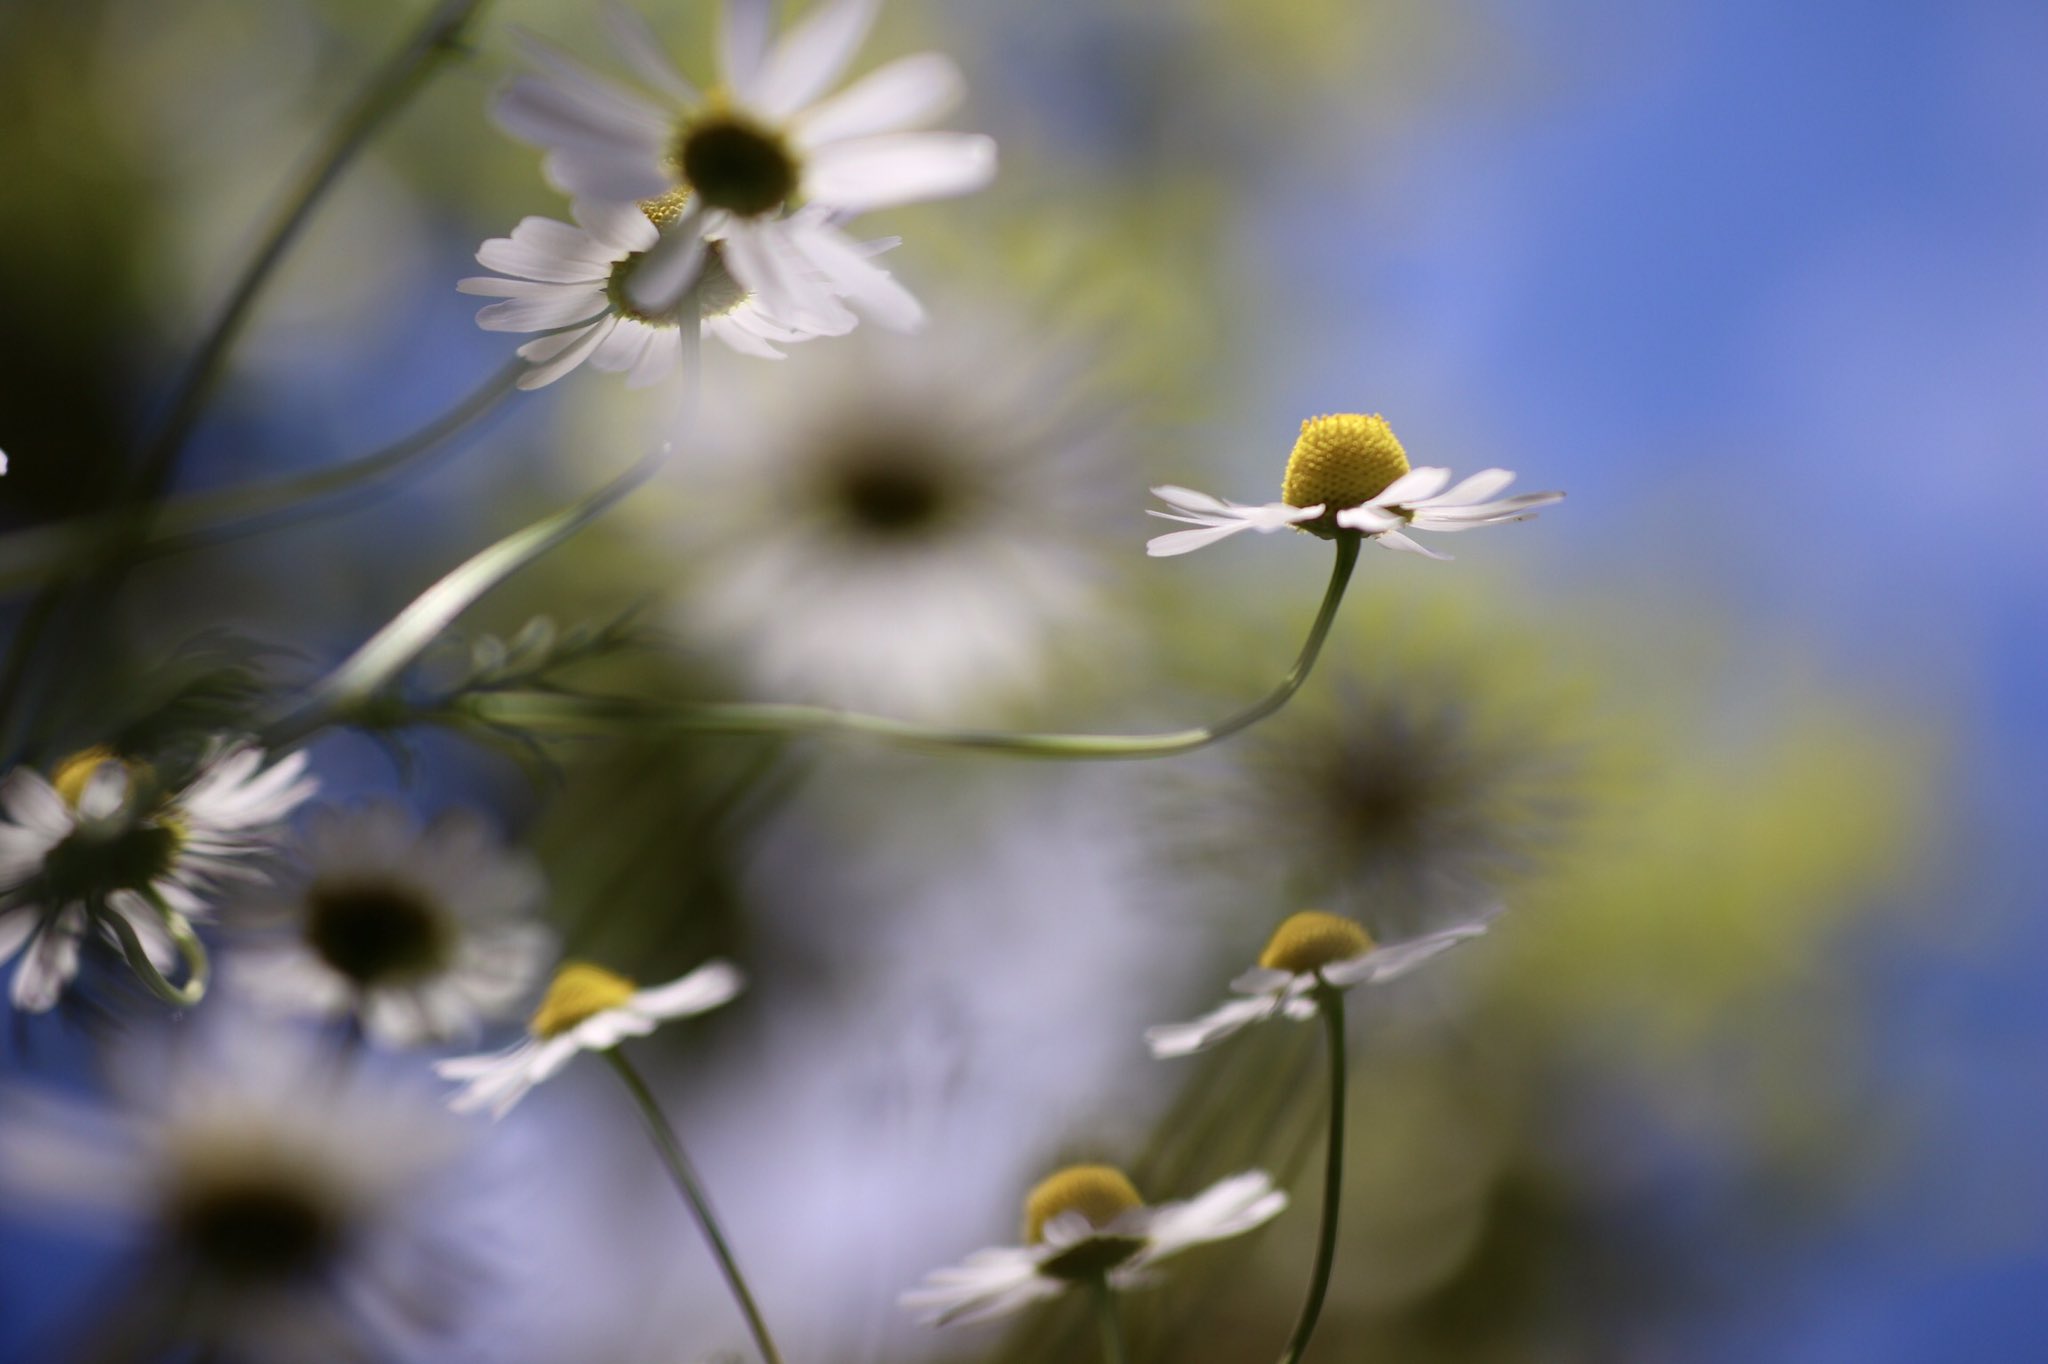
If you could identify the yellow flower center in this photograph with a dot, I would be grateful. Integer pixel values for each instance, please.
(579, 991)
(718, 291)
(1342, 460)
(1099, 1193)
(1311, 940)
(666, 210)
(74, 772)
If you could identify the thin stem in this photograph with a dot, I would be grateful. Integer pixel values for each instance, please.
(671, 1149)
(1106, 1316)
(583, 714)
(189, 949)
(1330, 1004)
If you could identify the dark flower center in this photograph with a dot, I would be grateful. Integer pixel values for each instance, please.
(258, 1230)
(891, 497)
(99, 858)
(376, 931)
(736, 166)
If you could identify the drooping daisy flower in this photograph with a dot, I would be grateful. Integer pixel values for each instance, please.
(1082, 1224)
(759, 144)
(103, 844)
(1310, 951)
(1348, 473)
(276, 1203)
(571, 282)
(901, 523)
(421, 934)
(587, 1008)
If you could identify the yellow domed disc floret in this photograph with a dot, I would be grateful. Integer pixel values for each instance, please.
(1100, 1193)
(1311, 940)
(579, 991)
(1342, 460)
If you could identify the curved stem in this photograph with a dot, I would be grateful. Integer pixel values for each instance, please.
(1330, 1004)
(1106, 1316)
(582, 715)
(671, 1148)
(189, 948)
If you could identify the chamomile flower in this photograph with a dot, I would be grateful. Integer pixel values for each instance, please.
(1309, 952)
(423, 934)
(587, 1008)
(105, 844)
(275, 1201)
(1348, 473)
(1087, 1222)
(762, 142)
(570, 281)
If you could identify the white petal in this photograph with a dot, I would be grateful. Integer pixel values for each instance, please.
(643, 52)
(621, 229)
(570, 107)
(575, 347)
(866, 285)
(625, 175)
(663, 357)
(1394, 539)
(1370, 520)
(707, 987)
(742, 46)
(990, 1283)
(1265, 980)
(1229, 1207)
(898, 168)
(907, 93)
(1413, 486)
(15, 927)
(530, 255)
(665, 274)
(726, 329)
(1478, 488)
(569, 304)
(1187, 499)
(49, 963)
(1184, 1039)
(1185, 541)
(1391, 962)
(812, 55)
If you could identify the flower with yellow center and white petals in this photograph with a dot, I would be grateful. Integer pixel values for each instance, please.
(765, 141)
(103, 839)
(1084, 1223)
(1348, 473)
(586, 1008)
(1309, 952)
(422, 934)
(572, 283)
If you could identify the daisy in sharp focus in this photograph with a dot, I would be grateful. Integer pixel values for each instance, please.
(276, 1207)
(106, 843)
(1347, 472)
(1309, 952)
(422, 934)
(571, 282)
(587, 1008)
(1083, 1224)
(762, 142)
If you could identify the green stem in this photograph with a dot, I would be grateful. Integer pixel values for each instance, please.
(1330, 1004)
(541, 712)
(188, 945)
(671, 1148)
(1106, 1316)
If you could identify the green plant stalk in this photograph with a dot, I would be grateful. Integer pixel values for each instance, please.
(1106, 1315)
(1329, 1004)
(544, 713)
(188, 945)
(691, 1188)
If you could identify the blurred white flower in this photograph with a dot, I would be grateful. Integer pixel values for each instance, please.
(103, 839)
(587, 1008)
(274, 1197)
(762, 141)
(904, 524)
(1084, 1222)
(422, 934)
(1309, 951)
(570, 282)
(1347, 472)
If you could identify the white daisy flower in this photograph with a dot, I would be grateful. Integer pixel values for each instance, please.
(570, 282)
(101, 844)
(587, 1008)
(421, 934)
(274, 1200)
(1308, 952)
(906, 525)
(762, 142)
(1084, 1223)
(1348, 473)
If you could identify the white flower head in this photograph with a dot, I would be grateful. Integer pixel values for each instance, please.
(764, 141)
(1085, 1222)
(103, 839)
(422, 933)
(279, 1201)
(908, 525)
(587, 1008)
(1348, 473)
(570, 281)
(1309, 952)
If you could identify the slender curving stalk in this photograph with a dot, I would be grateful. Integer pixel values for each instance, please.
(671, 1148)
(189, 948)
(1330, 1004)
(550, 713)
(1106, 1316)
